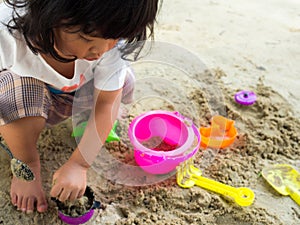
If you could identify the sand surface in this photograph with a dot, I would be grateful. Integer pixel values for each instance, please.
(241, 45)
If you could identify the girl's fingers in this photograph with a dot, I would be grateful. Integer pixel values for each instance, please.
(55, 191)
(74, 195)
(64, 195)
(81, 193)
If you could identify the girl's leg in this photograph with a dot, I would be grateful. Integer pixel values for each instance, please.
(21, 137)
(23, 112)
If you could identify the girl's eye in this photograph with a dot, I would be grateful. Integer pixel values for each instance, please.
(85, 39)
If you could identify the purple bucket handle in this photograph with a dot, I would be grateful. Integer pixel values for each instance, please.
(187, 121)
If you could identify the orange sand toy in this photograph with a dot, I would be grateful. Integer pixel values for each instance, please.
(220, 134)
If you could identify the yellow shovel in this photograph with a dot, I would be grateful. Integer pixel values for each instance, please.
(188, 176)
(284, 179)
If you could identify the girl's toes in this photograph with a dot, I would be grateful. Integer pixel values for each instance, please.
(30, 205)
(42, 205)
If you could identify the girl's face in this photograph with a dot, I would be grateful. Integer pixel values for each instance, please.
(69, 44)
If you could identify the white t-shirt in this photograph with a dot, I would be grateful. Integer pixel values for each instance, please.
(108, 72)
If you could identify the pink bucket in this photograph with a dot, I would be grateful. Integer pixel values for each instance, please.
(170, 129)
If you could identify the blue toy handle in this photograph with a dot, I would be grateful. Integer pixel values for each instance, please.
(96, 205)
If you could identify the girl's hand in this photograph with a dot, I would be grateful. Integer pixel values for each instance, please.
(69, 181)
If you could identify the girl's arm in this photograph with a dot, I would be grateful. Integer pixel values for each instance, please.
(99, 125)
(69, 181)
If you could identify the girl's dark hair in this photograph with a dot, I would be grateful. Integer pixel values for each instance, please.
(131, 20)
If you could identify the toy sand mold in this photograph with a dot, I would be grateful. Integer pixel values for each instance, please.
(19, 169)
(284, 179)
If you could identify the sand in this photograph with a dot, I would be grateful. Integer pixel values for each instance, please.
(242, 45)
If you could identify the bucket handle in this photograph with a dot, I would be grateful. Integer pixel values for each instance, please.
(96, 205)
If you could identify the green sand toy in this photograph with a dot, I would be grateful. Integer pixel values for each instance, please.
(79, 130)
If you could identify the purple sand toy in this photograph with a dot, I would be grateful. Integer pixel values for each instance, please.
(245, 97)
(82, 218)
(172, 128)
(76, 220)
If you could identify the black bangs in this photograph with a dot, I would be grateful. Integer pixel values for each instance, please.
(131, 20)
(115, 19)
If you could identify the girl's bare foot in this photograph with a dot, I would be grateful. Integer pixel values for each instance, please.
(27, 196)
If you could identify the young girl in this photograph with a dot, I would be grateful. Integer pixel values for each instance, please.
(48, 50)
